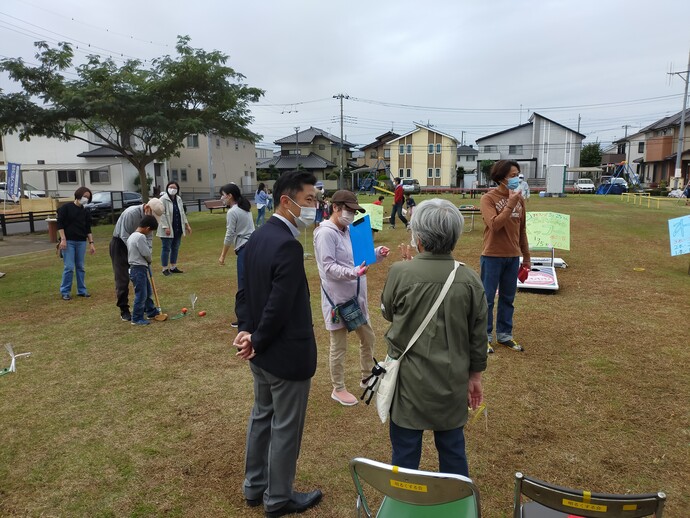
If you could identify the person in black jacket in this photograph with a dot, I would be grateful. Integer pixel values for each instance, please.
(74, 227)
(277, 336)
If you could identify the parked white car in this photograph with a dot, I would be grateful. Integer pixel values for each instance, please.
(584, 185)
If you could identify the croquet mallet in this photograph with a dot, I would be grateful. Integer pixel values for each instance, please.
(160, 317)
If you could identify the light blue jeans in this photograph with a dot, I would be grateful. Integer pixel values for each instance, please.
(500, 273)
(73, 257)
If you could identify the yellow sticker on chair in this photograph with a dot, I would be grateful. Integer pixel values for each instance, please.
(419, 488)
(587, 507)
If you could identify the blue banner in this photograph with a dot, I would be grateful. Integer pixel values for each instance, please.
(679, 234)
(13, 180)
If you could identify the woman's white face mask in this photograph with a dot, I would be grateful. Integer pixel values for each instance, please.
(346, 217)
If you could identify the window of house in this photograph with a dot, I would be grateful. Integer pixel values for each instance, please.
(174, 176)
(237, 144)
(67, 176)
(198, 175)
(372, 154)
(515, 150)
(322, 147)
(430, 173)
(386, 153)
(438, 173)
(39, 162)
(294, 152)
(640, 147)
(401, 172)
(438, 148)
(192, 141)
(183, 175)
(469, 158)
(99, 176)
(217, 142)
(409, 173)
(402, 149)
(567, 147)
(431, 149)
(409, 149)
(490, 149)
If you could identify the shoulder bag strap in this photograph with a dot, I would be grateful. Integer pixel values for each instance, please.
(433, 309)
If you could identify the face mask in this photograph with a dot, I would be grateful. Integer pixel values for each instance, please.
(83, 200)
(513, 183)
(224, 200)
(172, 192)
(306, 217)
(346, 218)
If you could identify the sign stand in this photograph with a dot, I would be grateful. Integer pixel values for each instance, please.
(543, 276)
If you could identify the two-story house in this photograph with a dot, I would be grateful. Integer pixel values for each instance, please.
(535, 145)
(426, 155)
(661, 148)
(314, 150)
(60, 167)
(229, 159)
(378, 150)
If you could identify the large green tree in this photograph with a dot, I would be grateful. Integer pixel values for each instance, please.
(144, 113)
(590, 156)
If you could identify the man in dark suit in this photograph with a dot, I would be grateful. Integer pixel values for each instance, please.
(277, 336)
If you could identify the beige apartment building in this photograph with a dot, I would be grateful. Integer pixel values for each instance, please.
(231, 160)
(426, 155)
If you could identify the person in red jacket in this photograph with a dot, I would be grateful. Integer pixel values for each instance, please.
(398, 201)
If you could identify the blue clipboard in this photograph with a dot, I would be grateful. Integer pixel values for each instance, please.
(362, 241)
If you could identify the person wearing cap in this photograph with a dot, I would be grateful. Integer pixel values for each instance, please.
(126, 225)
(342, 280)
(524, 186)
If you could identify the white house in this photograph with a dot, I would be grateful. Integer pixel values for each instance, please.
(535, 145)
(59, 168)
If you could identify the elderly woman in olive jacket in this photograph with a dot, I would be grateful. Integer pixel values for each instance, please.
(441, 373)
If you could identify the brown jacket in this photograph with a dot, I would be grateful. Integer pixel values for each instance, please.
(504, 226)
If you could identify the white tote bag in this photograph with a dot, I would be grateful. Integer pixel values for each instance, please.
(390, 367)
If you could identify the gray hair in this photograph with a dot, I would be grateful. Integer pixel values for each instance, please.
(438, 224)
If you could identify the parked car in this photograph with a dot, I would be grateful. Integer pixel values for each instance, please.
(410, 185)
(28, 191)
(101, 204)
(584, 185)
(613, 186)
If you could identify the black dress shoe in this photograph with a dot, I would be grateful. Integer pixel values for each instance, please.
(254, 502)
(300, 502)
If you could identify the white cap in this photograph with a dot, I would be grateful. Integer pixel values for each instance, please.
(521, 176)
(157, 208)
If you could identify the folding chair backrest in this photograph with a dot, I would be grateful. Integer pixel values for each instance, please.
(414, 493)
(584, 503)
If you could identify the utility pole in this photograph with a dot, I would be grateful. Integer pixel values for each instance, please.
(462, 139)
(342, 145)
(685, 76)
(297, 146)
(578, 122)
(627, 144)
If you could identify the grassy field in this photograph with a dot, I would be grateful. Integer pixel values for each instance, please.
(105, 419)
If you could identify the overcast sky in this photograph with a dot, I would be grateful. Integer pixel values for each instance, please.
(472, 66)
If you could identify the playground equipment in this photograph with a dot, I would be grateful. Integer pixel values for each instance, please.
(371, 182)
(623, 170)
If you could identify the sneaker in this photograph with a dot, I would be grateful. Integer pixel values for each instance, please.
(512, 344)
(125, 316)
(85, 295)
(140, 322)
(489, 348)
(344, 397)
(66, 297)
(175, 270)
(166, 272)
(234, 324)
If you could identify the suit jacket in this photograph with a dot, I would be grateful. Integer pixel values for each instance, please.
(274, 304)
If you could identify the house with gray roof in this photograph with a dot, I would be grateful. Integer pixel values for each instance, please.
(535, 145)
(661, 148)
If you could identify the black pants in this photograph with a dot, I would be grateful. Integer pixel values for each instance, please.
(118, 256)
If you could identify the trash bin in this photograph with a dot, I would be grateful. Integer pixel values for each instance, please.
(52, 230)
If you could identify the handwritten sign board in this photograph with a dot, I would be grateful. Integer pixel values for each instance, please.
(375, 213)
(548, 230)
(679, 233)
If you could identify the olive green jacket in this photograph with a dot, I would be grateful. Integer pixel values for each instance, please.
(434, 374)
